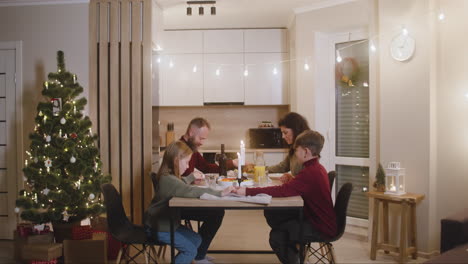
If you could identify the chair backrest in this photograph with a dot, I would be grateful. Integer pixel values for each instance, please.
(341, 207)
(119, 225)
(153, 180)
(331, 178)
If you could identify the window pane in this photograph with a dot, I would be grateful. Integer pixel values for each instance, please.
(352, 99)
(359, 177)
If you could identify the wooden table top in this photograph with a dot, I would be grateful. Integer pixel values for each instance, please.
(293, 201)
(413, 197)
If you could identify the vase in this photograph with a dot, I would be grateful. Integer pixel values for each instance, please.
(63, 231)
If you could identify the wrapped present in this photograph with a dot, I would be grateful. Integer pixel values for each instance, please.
(85, 251)
(24, 229)
(41, 229)
(82, 232)
(54, 261)
(113, 245)
(44, 252)
(20, 241)
(99, 223)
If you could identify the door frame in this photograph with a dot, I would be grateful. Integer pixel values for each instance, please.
(17, 164)
(352, 35)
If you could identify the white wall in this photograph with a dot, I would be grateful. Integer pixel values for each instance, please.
(452, 110)
(44, 30)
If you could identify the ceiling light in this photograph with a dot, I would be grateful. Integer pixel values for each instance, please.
(201, 10)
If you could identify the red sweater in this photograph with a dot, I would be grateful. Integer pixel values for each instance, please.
(312, 185)
(197, 161)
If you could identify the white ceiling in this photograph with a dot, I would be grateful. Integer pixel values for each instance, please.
(239, 13)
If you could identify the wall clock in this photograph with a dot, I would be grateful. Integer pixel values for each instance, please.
(402, 47)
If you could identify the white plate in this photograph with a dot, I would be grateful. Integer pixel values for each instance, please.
(230, 183)
(275, 176)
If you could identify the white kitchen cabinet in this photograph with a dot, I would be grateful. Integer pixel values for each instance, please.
(223, 41)
(182, 41)
(181, 80)
(223, 78)
(267, 82)
(265, 40)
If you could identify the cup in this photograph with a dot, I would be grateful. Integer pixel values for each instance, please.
(211, 179)
(263, 179)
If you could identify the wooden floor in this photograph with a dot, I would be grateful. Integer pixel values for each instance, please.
(248, 230)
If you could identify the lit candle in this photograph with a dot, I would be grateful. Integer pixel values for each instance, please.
(25, 162)
(74, 78)
(46, 85)
(239, 169)
(74, 109)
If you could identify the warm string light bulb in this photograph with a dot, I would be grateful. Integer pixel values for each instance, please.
(372, 46)
(194, 68)
(246, 71)
(275, 71)
(404, 31)
(218, 72)
(441, 16)
(338, 56)
(158, 60)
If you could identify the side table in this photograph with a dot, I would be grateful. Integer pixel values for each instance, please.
(408, 206)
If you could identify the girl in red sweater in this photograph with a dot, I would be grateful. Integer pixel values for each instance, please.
(312, 185)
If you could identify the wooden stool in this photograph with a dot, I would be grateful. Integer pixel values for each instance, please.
(408, 205)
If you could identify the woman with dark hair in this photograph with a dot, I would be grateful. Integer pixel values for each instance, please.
(291, 125)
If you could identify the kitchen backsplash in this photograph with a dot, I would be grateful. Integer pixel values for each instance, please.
(229, 124)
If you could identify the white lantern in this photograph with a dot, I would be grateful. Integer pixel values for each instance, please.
(395, 179)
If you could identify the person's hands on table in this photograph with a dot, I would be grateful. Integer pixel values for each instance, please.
(228, 190)
(240, 191)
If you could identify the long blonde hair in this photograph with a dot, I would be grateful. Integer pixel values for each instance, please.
(173, 154)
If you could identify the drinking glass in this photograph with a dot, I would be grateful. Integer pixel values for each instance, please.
(211, 179)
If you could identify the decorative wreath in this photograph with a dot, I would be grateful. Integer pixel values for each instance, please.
(351, 77)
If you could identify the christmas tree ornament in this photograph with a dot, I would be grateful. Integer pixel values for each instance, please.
(91, 196)
(65, 135)
(40, 113)
(17, 210)
(60, 133)
(46, 191)
(48, 163)
(72, 159)
(63, 121)
(36, 160)
(73, 135)
(78, 185)
(47, 138)
(65, 216)
(24, 178)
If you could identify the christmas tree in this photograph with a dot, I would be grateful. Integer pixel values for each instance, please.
(63, 168)
(379, 183)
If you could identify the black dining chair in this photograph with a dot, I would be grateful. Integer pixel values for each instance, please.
(331, 178)
(325, 250)
(124, 231)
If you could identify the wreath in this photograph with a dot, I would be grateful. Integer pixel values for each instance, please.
(347, 75)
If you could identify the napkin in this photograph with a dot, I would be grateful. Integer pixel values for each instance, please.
(258, 199)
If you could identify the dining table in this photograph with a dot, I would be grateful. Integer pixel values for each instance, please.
(277, 203)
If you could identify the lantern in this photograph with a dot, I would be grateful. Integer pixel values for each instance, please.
(395, 179)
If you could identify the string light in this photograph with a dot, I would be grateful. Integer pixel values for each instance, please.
(306, 66)
(338, 56)
(275, 71)
(158, 60)
(441, 16)
(373, 48)
(194, 68)
(218, 72)
(246, 71)
(404, 30)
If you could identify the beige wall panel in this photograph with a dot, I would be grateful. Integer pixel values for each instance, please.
(147, 115)
(104, 86)
(136, 91)
(114, 95)
(93, 92)
(125, 105)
